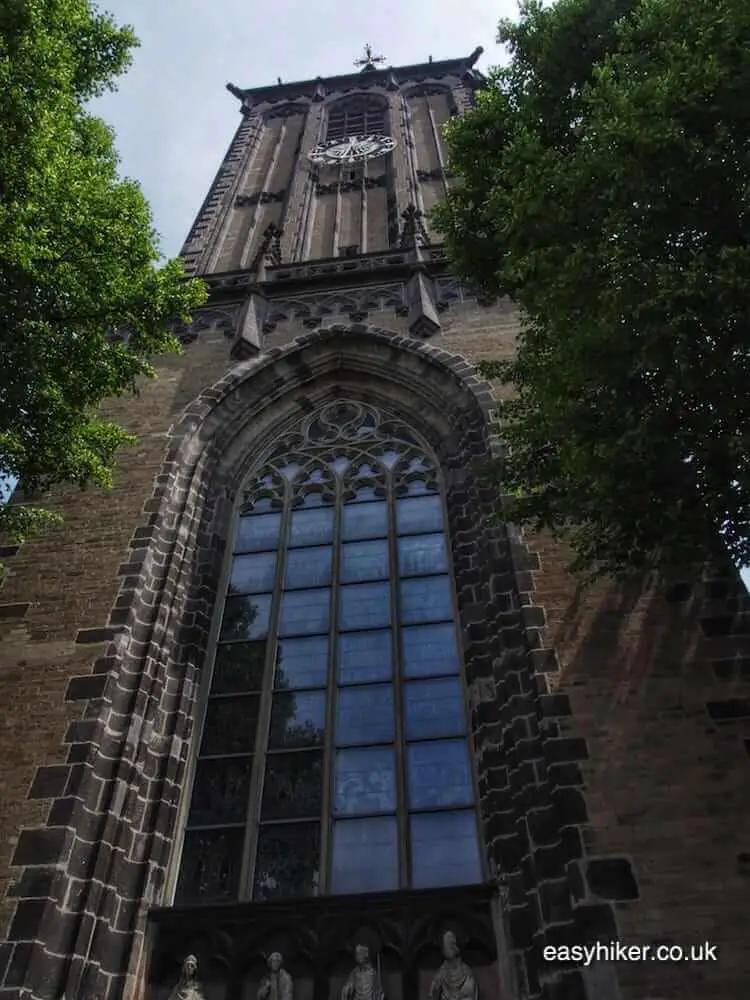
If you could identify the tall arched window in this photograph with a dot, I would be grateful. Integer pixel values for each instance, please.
(334, 755)
(359, 115)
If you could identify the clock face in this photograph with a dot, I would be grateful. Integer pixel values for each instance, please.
(354, 149)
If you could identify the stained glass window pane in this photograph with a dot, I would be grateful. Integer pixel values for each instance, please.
(364, 606)
(211, 862)
(361, 561)
(366, 501)
(426, 600)
(253, 574)
(439, 774)
(429, 651)
(258, 533)
(420, 555)
(365, 715)
(220, 792)
(419, 514)
(308, 568)
(245, 617)
(293, 785)
(288, 862)
(365, 855)
(238, 667)
(365, 656)
(434, 708)
(302, 663)
(297, 719)
(365, 781)
(304, 612)
(444, 850)
(365, 520)
(230, 726)
(311, 527)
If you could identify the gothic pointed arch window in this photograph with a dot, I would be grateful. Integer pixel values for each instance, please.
(333, 752)
(361, 114)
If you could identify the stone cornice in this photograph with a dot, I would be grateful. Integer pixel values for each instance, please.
(310, 275)
(387, 77)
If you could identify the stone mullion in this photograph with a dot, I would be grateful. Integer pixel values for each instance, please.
(302, 191)
(406, 186)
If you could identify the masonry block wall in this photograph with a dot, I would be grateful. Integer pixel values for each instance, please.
(611, 724)
(642, 704)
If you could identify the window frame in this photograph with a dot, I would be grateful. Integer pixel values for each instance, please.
(364, 106)
(253, 823)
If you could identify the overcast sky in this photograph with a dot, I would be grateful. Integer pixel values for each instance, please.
(173, 116)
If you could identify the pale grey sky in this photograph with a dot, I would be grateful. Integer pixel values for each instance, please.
(173, 116)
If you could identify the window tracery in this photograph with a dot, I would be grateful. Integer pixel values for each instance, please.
(334, 755)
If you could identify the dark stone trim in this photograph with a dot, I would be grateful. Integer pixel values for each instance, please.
(49, 781)
(35, 883)
(14, 610)
(90, 636)
(729, 709)
(85, 687)
(39, 847)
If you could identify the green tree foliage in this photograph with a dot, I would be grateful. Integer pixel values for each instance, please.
(78, 254)
(606, 189)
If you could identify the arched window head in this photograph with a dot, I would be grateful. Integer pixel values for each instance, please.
(334, 753)
(358, 115)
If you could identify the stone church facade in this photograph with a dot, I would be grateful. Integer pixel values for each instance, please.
(291, 688)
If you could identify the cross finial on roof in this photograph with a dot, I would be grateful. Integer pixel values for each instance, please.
(370, 60)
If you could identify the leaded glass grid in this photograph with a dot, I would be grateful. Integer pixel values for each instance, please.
(334, 753)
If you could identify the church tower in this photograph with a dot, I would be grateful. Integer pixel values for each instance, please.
(288, 713)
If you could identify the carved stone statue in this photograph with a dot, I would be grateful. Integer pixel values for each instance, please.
(278, 984)
(454, 979)
(188, 987)
(364, 980)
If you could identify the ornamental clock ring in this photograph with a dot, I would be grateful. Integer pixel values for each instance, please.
(353, 149)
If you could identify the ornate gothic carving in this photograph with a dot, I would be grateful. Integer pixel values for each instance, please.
(269, 251)
(188, 987)
(454, 979)
(222, 318)
(259, 198)
(312, 309)
(448, 290)
(287, 111)
(278, 984)
(363, 982)
(356, 185)
(413, 231)
(373, 452)
(332, 267)
(407, 924)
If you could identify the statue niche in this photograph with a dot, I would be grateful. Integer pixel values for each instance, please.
(454, 979)
(363, 982)
(188, 987)
(278, 984)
